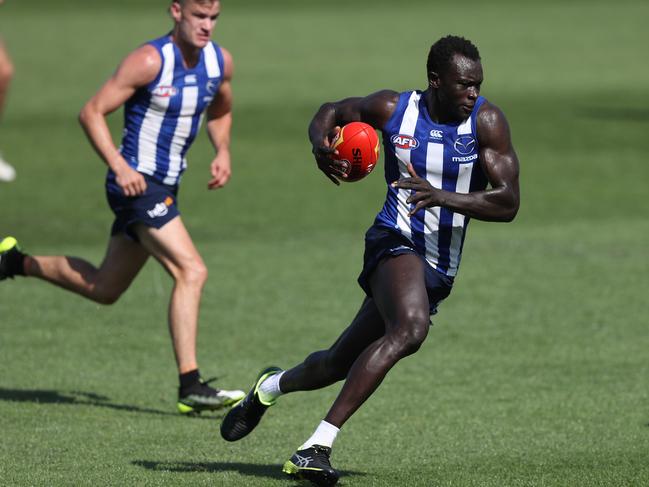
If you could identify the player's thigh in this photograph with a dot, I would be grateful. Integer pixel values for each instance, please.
(172, 246)
(366, 327)
(399, 291)
(123, 261)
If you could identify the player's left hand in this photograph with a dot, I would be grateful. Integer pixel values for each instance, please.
(425, 195)
(220, 170)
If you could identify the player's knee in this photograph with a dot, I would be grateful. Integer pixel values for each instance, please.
(193, 274)
(409, 337)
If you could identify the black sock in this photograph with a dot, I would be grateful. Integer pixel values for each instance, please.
(189, 379)
(15, 263)
(20, 264)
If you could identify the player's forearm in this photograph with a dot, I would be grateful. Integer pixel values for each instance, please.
(219, 130)
(322, 123)
(96, 129)
(500, 204)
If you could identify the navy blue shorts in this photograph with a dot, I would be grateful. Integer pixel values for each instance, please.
(381, 243)
(156, 207)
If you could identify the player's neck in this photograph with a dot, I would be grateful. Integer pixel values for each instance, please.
(191, 54)
(435, 110)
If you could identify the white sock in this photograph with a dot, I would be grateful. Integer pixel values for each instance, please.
(269, 389)
(324, 435)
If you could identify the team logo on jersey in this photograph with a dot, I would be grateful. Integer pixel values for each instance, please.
(211, 87)
(464, 144)
(436, 134)
(406, 142)
(165, 91)
(190, 79)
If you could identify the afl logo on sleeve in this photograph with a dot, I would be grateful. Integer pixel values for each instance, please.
(406, 142)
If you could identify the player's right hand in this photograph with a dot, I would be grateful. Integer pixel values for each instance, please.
(325, 158)
(131, 181)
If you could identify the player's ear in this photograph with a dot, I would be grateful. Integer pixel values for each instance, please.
(433, 79)
(175, 11)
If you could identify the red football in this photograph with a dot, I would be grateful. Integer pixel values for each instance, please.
(358, 146)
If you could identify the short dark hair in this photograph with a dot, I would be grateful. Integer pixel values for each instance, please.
(441, 53)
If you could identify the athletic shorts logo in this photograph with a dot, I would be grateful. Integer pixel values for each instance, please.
(464, 144)
(165, 91)
(436, 134)
(406, 142)
(160, 209)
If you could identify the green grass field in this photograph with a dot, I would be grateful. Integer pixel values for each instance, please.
(536, 372)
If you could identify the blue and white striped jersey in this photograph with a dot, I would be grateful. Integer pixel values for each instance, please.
(162, 119)
(445, 155)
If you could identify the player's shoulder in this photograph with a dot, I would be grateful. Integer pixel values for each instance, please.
(228, 63)
(379, 106)
(491, 124)
(489, 114)
(141, 65)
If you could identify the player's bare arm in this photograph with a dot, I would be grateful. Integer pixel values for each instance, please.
(219, 124)
(138, 69)
(375, 110)
(500, 164)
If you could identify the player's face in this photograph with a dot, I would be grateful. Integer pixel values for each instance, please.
(458, 87)
(195, 21)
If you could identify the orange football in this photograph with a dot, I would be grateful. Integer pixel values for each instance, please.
(358, 146)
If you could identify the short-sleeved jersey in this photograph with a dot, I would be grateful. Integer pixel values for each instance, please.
(162, 119)
(444, 154)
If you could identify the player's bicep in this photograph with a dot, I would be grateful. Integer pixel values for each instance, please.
(497, 155)
(375, 109)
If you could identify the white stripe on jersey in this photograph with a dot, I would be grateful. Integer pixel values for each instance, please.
(465, 127)
(183, 129)
(434, 170)
(154, 116)
(211, 61)
(408, 125)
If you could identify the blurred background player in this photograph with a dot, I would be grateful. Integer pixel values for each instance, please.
(443, 147)
(7, 172)
(165, 86)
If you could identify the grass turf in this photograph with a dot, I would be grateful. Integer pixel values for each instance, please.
(535, 372)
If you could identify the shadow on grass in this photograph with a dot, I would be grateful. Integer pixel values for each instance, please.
(251, 469)
(80, 398)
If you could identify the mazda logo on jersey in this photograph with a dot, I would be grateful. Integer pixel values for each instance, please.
(407, 142)
(165, 91)
(464, 144)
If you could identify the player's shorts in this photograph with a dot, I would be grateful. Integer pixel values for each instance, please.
(381, 243)
(156, 207)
